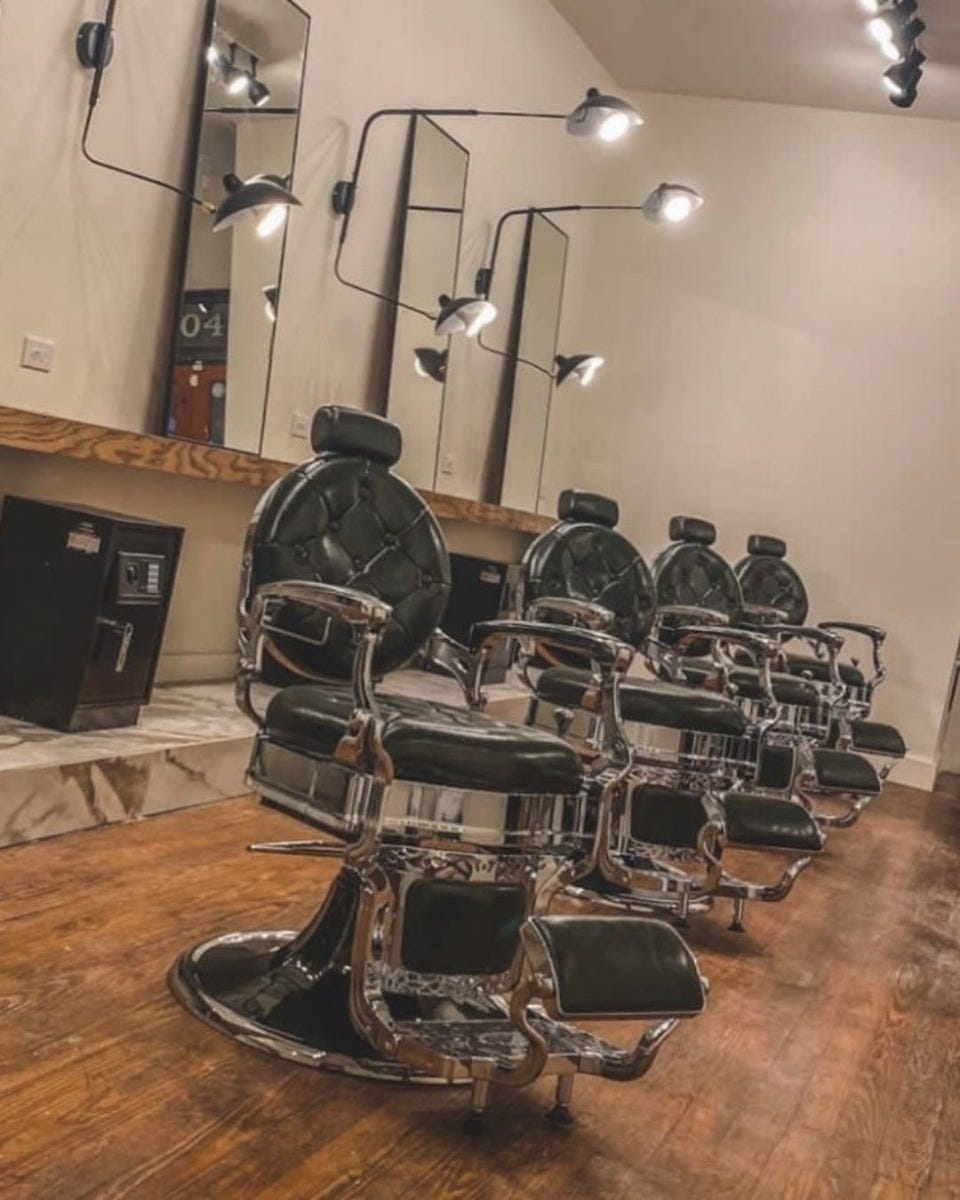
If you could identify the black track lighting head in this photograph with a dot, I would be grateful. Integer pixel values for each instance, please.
(430, 363)
(257, 90)
(902, 78)
(235, 78)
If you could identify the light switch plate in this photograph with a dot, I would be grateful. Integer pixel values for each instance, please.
(299, 425)
(37, 354)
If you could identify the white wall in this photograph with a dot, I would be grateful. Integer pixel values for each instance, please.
(789, 364)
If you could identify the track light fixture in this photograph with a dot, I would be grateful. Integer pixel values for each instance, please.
(267, 198)
(430, 363)
(895, 26)
(257, 90)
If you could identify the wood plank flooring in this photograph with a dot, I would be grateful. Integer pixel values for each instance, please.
(827, 1064)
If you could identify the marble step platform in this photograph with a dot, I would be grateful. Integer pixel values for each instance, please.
(191, 747)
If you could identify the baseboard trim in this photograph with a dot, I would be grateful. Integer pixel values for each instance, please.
(196, 668)
(916, 772)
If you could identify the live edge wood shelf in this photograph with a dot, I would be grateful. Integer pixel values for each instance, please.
(42, 434)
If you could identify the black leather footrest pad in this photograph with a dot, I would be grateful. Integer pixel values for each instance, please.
(769, 822)
(650, 702)
(666, 816)
(872, 737)
(632, 966)
(840, 771)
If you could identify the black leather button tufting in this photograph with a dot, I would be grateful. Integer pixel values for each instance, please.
(301, 553)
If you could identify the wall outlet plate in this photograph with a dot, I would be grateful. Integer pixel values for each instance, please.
(37, 354)
(299, 425)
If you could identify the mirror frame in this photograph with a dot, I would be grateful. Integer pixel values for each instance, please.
(198, 109)
(400, 235)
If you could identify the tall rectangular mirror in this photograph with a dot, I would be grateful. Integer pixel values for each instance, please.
(536, 321)
(222, 343)
(432, 218)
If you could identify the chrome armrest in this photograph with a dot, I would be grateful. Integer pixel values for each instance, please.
(362, 745)
(822, 642)
(583, 612)
(690, 613)
(762, 649)
(876, 635)
(609, 658)
(455, 660)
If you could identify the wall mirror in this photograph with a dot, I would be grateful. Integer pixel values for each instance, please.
(429, 229)
(526, 395)
(251, 83)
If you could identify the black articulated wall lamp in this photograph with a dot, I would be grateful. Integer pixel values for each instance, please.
(895, 26)
(264, 199)
(602, 117)
(669, 203)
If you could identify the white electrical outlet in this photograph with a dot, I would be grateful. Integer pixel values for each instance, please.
(299, 425)
(37, 354)
(446, 465)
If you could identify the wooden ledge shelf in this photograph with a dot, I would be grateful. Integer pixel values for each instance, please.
(42, 434)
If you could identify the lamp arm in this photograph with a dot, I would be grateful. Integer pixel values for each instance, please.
(106, 33)
(514, 358)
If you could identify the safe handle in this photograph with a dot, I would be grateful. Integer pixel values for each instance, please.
(124, 631)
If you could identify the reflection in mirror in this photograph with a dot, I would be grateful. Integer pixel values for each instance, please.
(536, 321)
(253, 55)
(431, 221)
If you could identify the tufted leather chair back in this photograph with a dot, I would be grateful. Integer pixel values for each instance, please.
(767, 578)
(344, 518)
(584, 558)
(690, 571)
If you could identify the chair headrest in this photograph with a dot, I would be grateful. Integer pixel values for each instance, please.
(764, 544)
(692, 529)
(589, 507)
(337, 430)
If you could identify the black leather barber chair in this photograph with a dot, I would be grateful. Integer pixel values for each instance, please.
(691, 572)
(430, 959)
(689, 748)
(771, 584)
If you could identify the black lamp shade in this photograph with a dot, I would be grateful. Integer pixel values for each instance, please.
(431, 363)
(463, 314)
(582, 367)
(271, 296)
(605, 117)
(257, 196)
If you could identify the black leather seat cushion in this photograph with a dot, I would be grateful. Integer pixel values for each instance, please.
(842, 771)
(770, 822)
(819, 669)
(431, 743)
(651, 702)
(872, 737)
(628, 965)
(788, 689)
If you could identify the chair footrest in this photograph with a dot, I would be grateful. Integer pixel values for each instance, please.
(872, 737)
(770, 823)
(615, 966)
(500, 1044)
(843, 771)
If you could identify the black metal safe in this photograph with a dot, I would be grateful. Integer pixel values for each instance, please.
(84, 596)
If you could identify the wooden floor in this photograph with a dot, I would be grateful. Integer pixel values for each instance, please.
(827, 1064)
